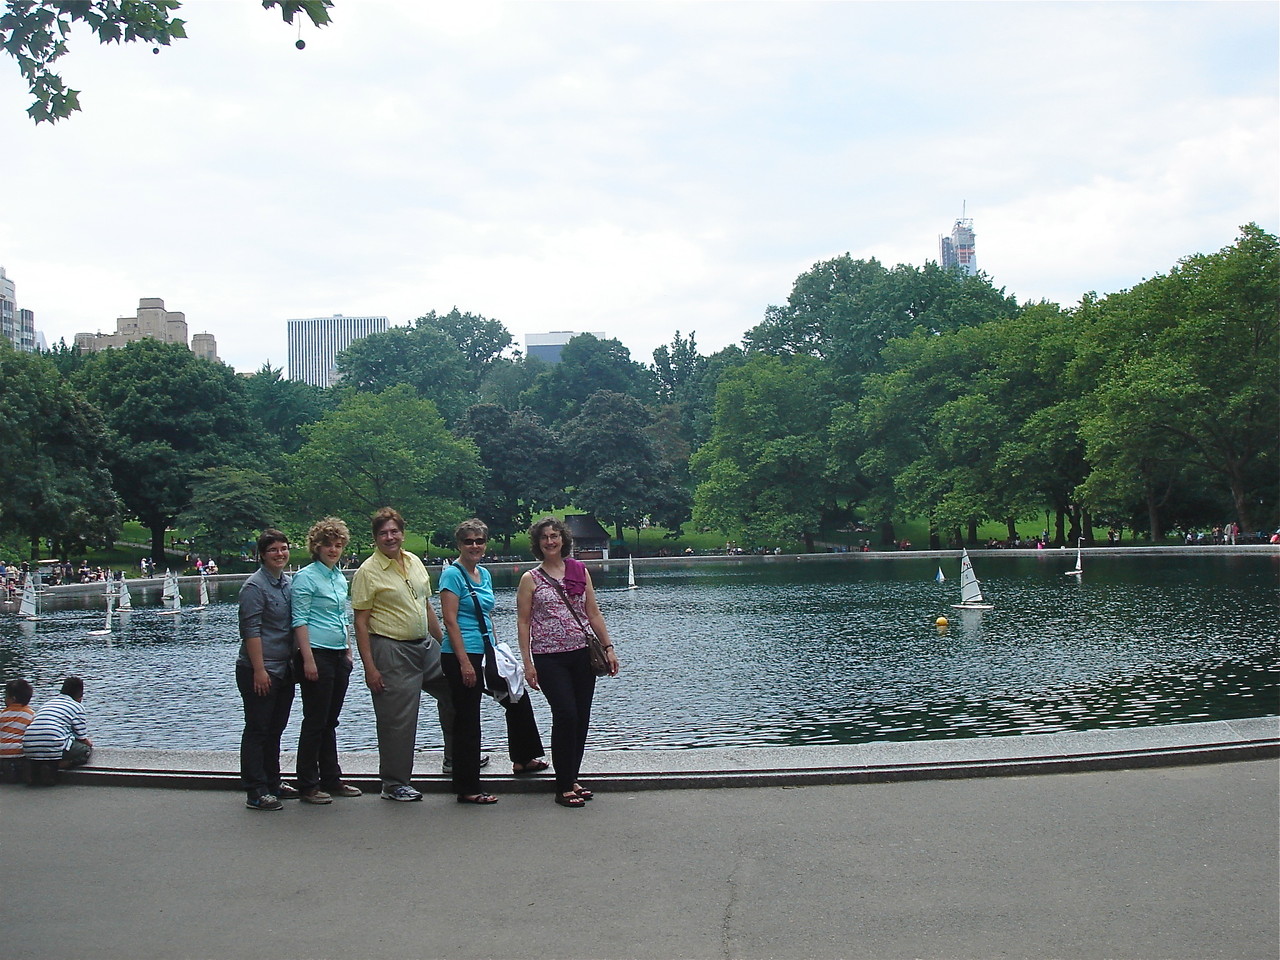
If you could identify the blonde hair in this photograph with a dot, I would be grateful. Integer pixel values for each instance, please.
(326, 531)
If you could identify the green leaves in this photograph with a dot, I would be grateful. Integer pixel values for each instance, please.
(34, 33)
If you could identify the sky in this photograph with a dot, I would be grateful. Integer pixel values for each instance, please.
(634, 168)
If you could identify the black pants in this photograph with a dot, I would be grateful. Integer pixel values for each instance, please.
(264, 721)
(322, 701)
(524, 743)
(569, 686)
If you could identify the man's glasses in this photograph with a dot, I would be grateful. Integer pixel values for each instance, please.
(473, 541)
(412, 592)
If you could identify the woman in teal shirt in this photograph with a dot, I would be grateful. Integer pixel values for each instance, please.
(320, 630)
(464, 586)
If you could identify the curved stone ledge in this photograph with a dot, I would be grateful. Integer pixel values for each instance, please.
(1172, 745)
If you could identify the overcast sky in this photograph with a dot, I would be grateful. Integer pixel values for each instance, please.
(633, 168)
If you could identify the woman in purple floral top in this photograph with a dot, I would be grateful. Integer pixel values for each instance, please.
(554, 648)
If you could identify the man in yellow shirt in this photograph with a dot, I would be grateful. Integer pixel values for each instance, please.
(398, 636)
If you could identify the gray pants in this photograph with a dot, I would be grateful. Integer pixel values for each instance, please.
(407, 669)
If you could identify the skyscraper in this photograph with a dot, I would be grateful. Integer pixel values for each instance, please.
(957, 250)
(315, 342)
(17, 325)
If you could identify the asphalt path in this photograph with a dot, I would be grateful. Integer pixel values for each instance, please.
(1170, 862)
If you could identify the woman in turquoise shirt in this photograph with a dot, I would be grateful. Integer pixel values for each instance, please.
(464, 586)
(320, 630)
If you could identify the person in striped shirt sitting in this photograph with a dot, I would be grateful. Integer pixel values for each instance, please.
(60, 729)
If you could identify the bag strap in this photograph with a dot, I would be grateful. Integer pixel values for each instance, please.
(484, 630)
(565, 597)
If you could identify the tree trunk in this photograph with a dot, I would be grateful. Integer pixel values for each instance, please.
(887, 536)
(35, 552)
(1073, 534)
(1243, 515)
(973, 533)
(1154, 529)
(1059, 527)
(808, 542)
(1086, 524)
(157, 542)
(1011, 529)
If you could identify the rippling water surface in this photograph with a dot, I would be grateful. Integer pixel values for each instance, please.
(778, 653)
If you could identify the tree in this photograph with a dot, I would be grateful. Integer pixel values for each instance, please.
(587, 365)
(506, 379)
(171, 414)
(383, 449)
(846, 311)
(229, 506)
(525, 465)
(35, 32)
(284, 407)
(422, 356)
(480, 341)
(616, 472)
(763, 476)
(1190, 375)
(56, 484)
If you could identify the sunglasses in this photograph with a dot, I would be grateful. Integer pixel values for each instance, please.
(474, 541)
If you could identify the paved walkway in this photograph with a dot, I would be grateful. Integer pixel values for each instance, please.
(1158, 843)
(1170, 862)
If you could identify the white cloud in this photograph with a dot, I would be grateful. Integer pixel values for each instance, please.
(632, 168)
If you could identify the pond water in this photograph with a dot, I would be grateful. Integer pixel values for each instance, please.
(789, 652)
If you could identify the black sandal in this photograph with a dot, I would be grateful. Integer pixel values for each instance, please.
(571, 801)
(530, 766)
(478, 798)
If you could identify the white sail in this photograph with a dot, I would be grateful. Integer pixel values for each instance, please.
(125, 601)
(29, 606)
(631, 574)
(970, 590)
(1079, 560)
(204, 592)
(106, 626)
(940, 578)
(170, 597)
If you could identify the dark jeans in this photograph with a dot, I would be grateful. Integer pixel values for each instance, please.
(321, 703)
(523, 740)
(569, 686)
(264, 721)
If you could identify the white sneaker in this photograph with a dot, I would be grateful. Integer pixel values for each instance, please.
(402, 793)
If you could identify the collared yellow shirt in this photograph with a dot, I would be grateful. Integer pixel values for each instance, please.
(393, 609)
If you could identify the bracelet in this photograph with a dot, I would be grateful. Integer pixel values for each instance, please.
(608, 646)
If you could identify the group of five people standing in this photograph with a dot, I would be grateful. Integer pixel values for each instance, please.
(297, 628)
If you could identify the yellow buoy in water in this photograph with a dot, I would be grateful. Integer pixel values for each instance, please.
(941, 622)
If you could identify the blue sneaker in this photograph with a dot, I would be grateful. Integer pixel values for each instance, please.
(402, 793)
(266, 801)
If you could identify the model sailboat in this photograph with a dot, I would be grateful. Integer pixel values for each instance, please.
(1079, 569)
(631, 574)
(29, 605)
(111, 609)
(204, 593)
(970, 590)
(169, 597)
(940, 578)
(124, 601)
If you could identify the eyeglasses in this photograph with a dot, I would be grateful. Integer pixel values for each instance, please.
(412, 592)
(473, 541)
